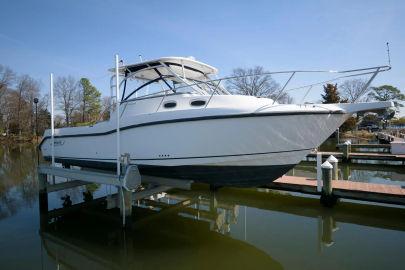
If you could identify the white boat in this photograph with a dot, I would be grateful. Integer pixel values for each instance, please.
(193, 128)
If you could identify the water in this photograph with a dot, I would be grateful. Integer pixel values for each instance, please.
(231, 229)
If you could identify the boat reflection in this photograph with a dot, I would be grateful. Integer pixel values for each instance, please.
(197, 229)
(173, 231)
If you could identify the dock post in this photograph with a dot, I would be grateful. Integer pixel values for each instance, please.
(318, 171)
(334, 162)
(328, 199)
(43, 199)
(346, 150)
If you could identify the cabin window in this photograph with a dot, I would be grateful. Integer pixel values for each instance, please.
(170, 104)
(197, 102)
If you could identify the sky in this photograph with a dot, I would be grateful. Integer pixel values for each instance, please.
(80, 38)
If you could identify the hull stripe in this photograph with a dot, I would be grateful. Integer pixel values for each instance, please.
(197, 157)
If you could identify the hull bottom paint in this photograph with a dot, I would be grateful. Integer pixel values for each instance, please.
(236, 176)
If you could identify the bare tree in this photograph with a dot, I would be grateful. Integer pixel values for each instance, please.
(28, 89)
(354, 90)
(7, 77)
(7, 110)
(106, 106)
(17, 108)
(44, 116)
(254, 82)
(32, 92)
(66, 89)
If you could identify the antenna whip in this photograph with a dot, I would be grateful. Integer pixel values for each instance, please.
(388, 54)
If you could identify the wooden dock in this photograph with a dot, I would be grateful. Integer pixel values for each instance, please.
(344, 189)
(384, 146)
(363, 156)
(369, 145)
(366, 147)
(390, 136)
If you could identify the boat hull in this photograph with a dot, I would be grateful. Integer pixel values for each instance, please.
(238, 151)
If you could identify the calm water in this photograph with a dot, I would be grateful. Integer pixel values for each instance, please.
(197, 229)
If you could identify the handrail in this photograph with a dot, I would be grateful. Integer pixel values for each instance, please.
(346, 76)
(297, 71)
(217, 82)
(163, 98)
(213, 92)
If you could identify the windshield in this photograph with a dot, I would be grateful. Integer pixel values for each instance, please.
(135, 88)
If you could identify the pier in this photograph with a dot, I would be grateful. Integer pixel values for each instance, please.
(390, 136)
(383, 147)
(399, 159)
(343, 189)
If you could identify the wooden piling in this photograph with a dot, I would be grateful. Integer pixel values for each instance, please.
(346, 149)
(335, 171)
(318, 171)
(327, 197)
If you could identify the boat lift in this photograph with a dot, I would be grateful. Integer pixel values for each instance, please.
(131, 185)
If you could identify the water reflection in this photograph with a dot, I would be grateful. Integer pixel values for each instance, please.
(196, 229)
(230, 229)
(176, 231)
(18, 184)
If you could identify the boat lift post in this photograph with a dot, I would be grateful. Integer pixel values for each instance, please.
(117, 110)
(52, 120)
(124, 194)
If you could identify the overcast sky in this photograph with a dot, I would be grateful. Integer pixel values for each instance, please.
(80, 38)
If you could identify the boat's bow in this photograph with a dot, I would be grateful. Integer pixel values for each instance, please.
(351, 108)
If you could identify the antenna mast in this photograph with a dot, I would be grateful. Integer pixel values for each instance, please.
(388, 54)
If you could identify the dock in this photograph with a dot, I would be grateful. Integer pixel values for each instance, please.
(390, 136)
(366, 147)
(357, 156)
(344, 189)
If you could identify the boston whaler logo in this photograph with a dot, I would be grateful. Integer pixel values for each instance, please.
(58, 142)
